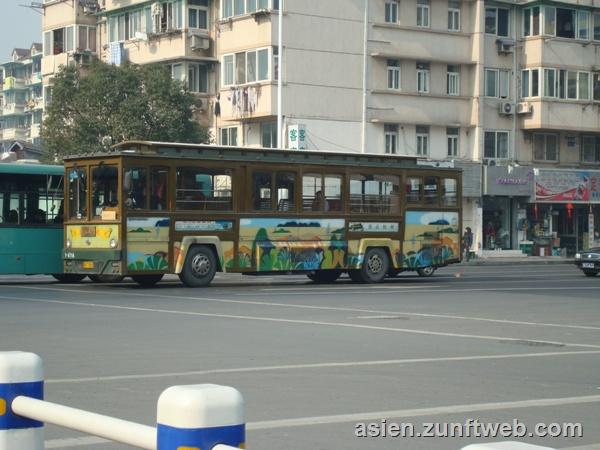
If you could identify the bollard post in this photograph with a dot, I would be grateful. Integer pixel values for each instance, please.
(20, 374)
(200, 417)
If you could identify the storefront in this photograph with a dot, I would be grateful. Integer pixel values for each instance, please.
(506, 193)
(565, 215)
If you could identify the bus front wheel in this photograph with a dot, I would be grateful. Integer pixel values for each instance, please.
(426, 271)
(199, 268)
(375, 267)
(324, 276)
(147, 280)
(68, 277)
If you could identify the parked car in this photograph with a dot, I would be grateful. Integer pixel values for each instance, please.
(589, 262)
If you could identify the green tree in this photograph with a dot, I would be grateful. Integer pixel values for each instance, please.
(130, 102)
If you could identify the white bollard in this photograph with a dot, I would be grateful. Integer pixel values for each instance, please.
(20, 374)
(510, 445)
(200, 417)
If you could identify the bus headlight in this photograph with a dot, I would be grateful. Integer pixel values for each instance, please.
(113, 243)
(68, 243)
(577, 255)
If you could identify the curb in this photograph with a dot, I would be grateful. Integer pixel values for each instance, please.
(506, 262)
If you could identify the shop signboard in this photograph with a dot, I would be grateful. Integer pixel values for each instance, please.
(567, 186)
(508, 181)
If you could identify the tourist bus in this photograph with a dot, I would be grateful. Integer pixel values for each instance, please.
(146, 209)
(31, 222)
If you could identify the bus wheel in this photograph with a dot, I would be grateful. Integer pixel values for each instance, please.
(324, 276)
(68, 277)
(426, 271)
(199, 268)
(106, 278)
(147, 280)
(374, 268)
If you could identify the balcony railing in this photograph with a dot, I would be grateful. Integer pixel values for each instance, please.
(13, 83)
(12, 108)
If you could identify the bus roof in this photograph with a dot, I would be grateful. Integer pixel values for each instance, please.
(31, 169)
(267, 155)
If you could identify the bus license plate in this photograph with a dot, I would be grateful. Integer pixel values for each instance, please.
(587, 265)
(88, 264)
(87, 231)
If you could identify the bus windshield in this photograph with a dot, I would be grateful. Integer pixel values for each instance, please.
(77, 193)
(105, 192)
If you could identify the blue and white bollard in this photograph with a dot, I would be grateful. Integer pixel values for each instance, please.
(199, 417)
(20, 374)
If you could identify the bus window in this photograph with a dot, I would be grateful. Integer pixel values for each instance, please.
(450, 193)
(431, 190)
(286, 192)
(105, 200)
(77, 193)
(313, 198)
(333, 192)
(134, 188)
(204, 189)
(159, 177)
(261, 191)
(413, 189)
(374, 194)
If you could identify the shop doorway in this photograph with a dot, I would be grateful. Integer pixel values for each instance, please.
(497, 220)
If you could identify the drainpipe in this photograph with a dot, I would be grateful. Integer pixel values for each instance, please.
(363, 144)
(280, 79)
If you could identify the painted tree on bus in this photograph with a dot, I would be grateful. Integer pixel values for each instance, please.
(96, 105)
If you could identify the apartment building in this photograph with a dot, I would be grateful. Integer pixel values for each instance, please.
(507, 90)
(21, 97)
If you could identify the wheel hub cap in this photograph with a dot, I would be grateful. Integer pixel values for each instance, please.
(200, 265)
(375, 264)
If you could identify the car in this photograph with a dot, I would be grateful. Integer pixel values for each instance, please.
(589, 262)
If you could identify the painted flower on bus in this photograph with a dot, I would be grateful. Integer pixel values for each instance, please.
(430, 238)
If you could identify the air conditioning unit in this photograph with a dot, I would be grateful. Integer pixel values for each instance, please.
(505, 45)
(506, 108)
(89, 6)
(524, 108)
(199, 42)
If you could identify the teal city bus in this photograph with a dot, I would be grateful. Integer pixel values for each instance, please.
(31, 220)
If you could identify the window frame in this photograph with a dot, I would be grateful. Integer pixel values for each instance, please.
(497, 10)
(391, 134)
(545, 137)
(422, 133)
(394, 74)
(392, 11)
(452, 142)
(423, 77)
(235, 70)
(454, 76)
(424, 8)
(453, 18)
(497, 134)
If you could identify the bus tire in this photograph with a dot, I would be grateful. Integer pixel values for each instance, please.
(106, 278)
(375, 265)
(426, 271)
(68, 277)
(147, 280)
(200, 267)
(324, 276)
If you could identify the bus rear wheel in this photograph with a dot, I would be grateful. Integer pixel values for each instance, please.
(147, 280)
(375, 267)
(324, 276)
(68, 277)
(200, 267)
(106, 278)
(426, 271)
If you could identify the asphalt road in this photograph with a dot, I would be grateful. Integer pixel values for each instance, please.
(493, 343)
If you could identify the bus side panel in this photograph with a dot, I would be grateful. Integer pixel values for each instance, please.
(431, 238)
(31, 250)
(284, 244)
(148, 244)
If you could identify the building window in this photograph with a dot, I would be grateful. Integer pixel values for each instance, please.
(549, 83)
(391, 138)
(422, 77)
(573, 85)
(596, 87)
(545, 147)
(423, 13)
(198, 14)
(495, 145)
(452, 139)
(245, 67)
(422, 140)
(86, 39)
(583, 25)
(393, 74)
(549, 20)
(497, 83)
(453, 15)
(229, 136)
(525, 89)
(565, 22)
(590, 149)
(531, 21)
(231, 8)
(59, 41)
(453, 80)
(391, 12)
(198, 78)
(496, 21)
(268, 132)
(596, 19)
(584, 85)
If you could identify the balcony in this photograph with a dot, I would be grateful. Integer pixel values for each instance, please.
(34, 131)
(563, 115)
(11, 109)
(15, 134)
(248, 101)
(36, 78)
(34, 104)
(13, 83)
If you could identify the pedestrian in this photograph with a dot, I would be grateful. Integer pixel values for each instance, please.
(468, 242)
